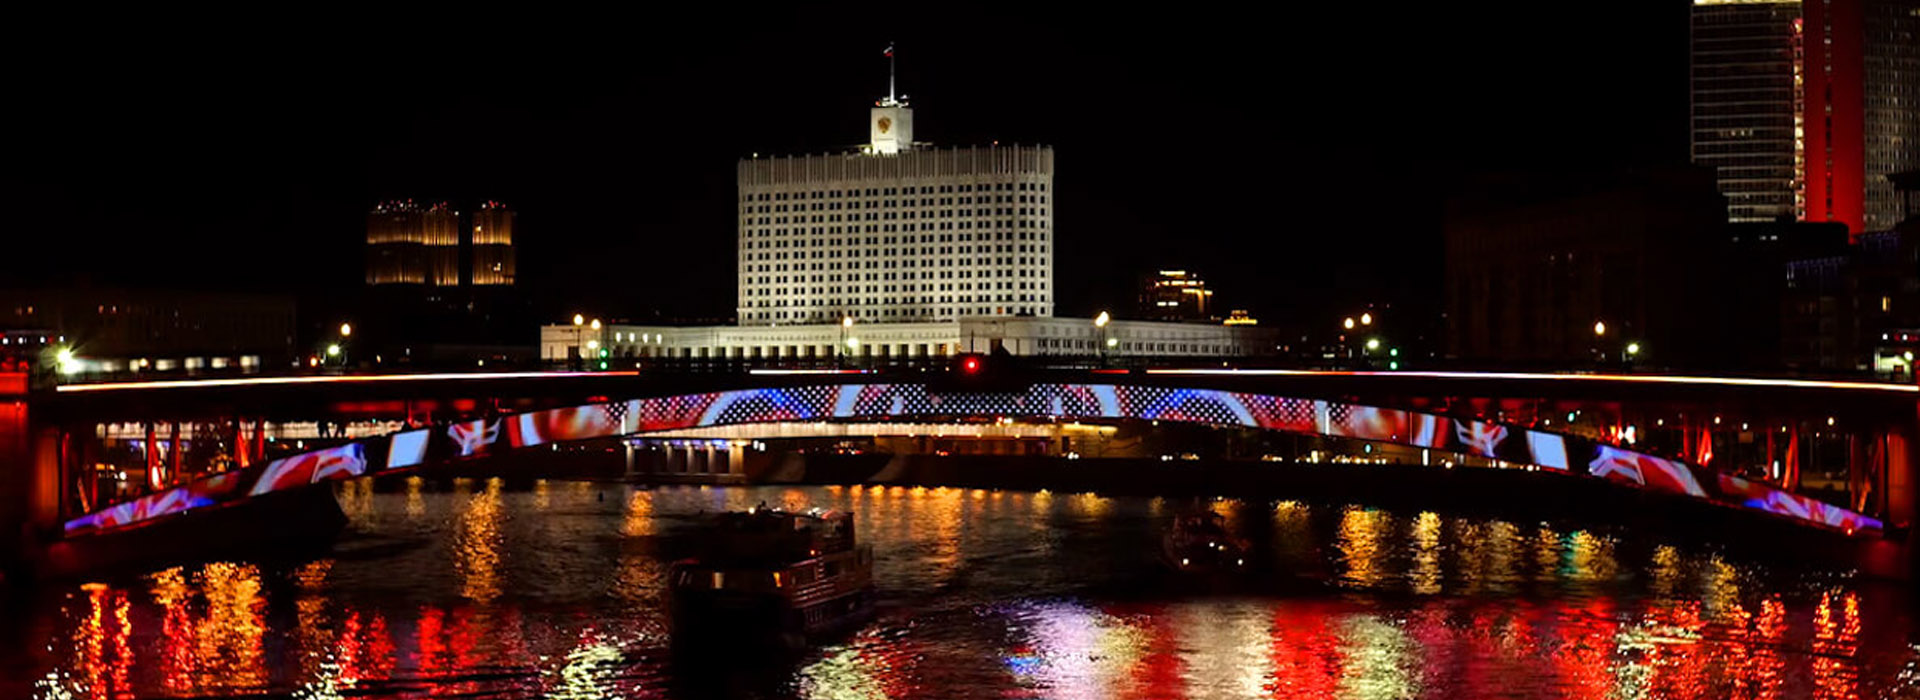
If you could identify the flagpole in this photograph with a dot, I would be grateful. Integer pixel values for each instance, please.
(891, 97)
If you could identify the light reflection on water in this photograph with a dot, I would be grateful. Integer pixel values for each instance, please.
(557, 591)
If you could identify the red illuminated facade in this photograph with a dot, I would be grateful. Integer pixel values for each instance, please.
(1804, 107)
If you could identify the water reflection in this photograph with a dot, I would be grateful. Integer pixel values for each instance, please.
(986, 594)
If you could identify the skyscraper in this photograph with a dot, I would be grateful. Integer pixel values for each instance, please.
(411, 244)
(396, 245)
(1805, 106)
(492, 245)
(896, 231)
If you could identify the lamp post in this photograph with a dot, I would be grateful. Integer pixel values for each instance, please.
(346, 332)
(1101, 322)
(579, 339)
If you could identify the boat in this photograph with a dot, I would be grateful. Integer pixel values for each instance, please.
(1200, 543)
(770, 575)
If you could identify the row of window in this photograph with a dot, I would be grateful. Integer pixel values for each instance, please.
(895, 191)
(890, 313)
(977, 213)
(923, 202)
(789, 296)
(894, 301)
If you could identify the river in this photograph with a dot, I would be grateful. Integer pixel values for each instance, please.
(475, 589)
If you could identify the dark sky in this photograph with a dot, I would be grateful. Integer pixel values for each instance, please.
(1295, 156)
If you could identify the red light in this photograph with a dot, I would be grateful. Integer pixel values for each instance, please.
(971, 365)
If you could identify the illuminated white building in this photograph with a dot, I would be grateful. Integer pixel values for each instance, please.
(897, 251)
(896, 232)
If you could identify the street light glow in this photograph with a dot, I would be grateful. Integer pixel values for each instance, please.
(578, 319)
(846, 321)
(346, 329)
(1366, 319)
(1373, 343)
(853, 342)
(1599, 328)
(1347, 323)
(595, 325)
(1101, 320)
(1633, 348)
(333, 350)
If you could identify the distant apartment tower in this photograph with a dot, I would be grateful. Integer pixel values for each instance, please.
(411, 244)
(1805, 106)
(1175, 295)
(896, 232)
(492, 245)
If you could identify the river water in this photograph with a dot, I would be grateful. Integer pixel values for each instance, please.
(475, 589)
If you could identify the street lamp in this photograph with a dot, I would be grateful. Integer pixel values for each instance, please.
(1101, 322)
(1599, 329)
(1347, 323)
(346, 330)
(1366, 319)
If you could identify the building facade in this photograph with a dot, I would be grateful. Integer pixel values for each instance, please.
(1019, 336)
(896, 232)
(1536, 261)
(408, 243)
(119, 330)
(492, 246)
(1175, 295)
(1805, 106)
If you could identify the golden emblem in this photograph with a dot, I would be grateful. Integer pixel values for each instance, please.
(885, 123)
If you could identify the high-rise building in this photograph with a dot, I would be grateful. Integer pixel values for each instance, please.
(897, 231)
(440, 232)
(1175, 295)
(411, 244)
(1805, 106)
(492, 245)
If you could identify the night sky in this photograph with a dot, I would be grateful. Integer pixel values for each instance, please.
(1296, 159)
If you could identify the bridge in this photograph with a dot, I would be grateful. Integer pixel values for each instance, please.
(1738, 444)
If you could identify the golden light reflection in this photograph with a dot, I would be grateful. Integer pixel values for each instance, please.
(231, 637)
(1590, 557)
(640, 578)
(1664, 571)
(1361, 541)
(313, 627)
(1425, 576)
(416, 506)
(943, 510)
(477, 544)
(542, 495)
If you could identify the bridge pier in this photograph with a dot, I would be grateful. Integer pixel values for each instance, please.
(29, 489)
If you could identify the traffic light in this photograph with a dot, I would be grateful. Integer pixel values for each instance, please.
(970, 364)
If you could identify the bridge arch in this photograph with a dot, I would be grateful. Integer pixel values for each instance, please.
(1560, 453)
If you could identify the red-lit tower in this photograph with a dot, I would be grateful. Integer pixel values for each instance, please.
(1805, 106)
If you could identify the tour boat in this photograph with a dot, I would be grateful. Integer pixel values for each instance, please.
(1200, 543)
(772, 575)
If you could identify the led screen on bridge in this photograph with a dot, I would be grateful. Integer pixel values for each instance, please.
(1490, 440)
